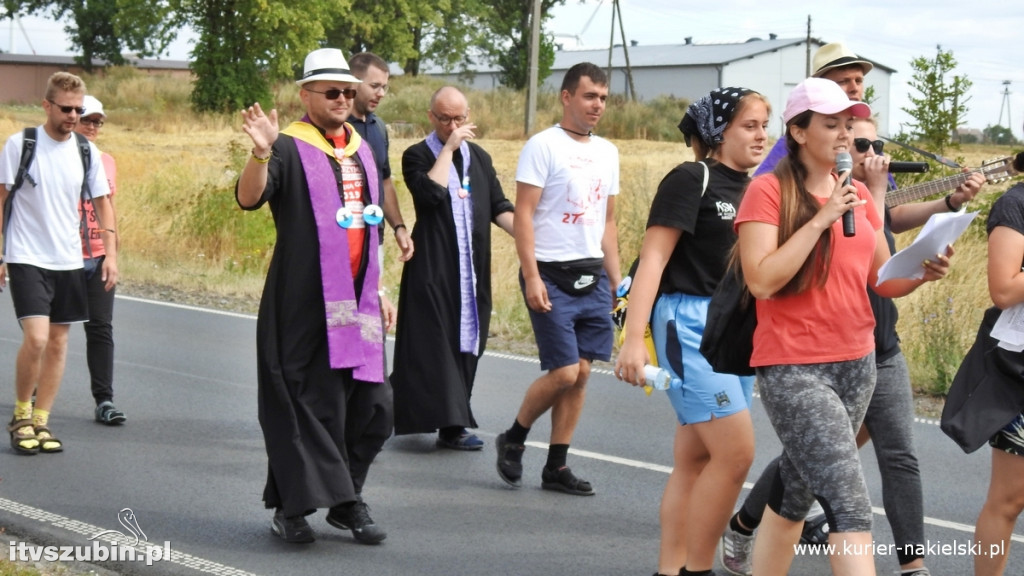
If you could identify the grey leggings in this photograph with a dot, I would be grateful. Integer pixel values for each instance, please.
(816, 410)
(889, 419)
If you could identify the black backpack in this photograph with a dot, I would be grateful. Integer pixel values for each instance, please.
(28, 153)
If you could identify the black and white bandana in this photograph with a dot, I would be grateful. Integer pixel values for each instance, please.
(709, 115)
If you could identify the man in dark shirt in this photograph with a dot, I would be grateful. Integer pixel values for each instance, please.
(373, 71)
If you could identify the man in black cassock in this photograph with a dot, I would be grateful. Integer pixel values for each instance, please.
(324, 401)
(444, 305)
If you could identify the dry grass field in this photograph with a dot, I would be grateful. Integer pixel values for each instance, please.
(180, 227)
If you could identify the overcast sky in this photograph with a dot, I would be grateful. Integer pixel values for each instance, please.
(985, 36)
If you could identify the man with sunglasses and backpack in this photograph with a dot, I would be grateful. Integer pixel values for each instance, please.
(890, 414)
(46, 172)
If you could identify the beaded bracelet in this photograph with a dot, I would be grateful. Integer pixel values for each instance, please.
(261, 159)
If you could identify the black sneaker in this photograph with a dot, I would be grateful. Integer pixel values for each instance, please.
(107, 413)
(355, 516)
(563, 480)
(510, 461)
(294, 530)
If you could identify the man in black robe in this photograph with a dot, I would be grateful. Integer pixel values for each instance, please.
(324, 401)
(444, 305)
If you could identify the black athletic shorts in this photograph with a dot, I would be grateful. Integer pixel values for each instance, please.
(59, 295)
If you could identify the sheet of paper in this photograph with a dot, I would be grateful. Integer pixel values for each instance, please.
(939, 231)
(1009, 328)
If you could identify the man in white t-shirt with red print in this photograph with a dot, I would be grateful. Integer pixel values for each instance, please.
(567, 242)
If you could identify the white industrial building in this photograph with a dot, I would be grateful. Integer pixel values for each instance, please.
(772, 67)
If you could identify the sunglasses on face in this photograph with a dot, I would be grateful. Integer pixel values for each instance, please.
(334, 93)
(97, 122)
(67, 109)
(862, 145)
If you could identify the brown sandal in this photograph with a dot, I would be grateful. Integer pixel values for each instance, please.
(20, 440)
(48, 439)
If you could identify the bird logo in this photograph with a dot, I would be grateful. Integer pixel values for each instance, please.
(127, 519)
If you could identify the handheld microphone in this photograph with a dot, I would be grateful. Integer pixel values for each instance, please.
(907, 167)
(844, 163)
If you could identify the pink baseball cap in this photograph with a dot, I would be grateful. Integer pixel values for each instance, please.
(822, 96)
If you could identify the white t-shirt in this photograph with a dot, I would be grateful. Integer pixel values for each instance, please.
(577, 178)
(44, 226)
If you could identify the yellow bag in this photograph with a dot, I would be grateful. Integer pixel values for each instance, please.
(619, 311)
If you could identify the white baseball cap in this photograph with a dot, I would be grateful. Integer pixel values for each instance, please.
(92, 106)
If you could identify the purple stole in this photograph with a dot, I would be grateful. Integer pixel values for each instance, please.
(355, 335)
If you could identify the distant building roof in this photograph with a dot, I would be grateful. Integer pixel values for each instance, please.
(658, 55)
(687, 54)
(39, 59)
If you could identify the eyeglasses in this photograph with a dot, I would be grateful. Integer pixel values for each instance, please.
(97, 122)
(378, 87)
(862, 144)
(334, 93)
(67, 109)
(445, 120)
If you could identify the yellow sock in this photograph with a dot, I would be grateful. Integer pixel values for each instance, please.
(22, 410)
(40, 417)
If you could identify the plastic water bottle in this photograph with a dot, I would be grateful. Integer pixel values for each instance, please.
(657, 378)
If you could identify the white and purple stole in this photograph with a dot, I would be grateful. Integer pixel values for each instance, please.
(355, 333)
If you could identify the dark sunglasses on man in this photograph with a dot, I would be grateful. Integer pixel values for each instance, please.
(334, 93)
(67, 109)
(862, 144)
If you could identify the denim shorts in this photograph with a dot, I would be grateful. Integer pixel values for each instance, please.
(677, 326)
(576, 327)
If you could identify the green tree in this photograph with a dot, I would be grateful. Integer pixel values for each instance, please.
(388, 28)
(510, 47)
(456, 38)
(941, 104)
(999, 135)
(246, 45)
(104, 29)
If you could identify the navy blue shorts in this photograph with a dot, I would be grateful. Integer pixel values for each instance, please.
(576, 327)
(60, 295)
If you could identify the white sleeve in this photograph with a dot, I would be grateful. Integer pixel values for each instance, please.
(533, 163)
(10, 159)
(98, 183)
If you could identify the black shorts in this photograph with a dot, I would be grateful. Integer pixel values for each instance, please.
(59, 295)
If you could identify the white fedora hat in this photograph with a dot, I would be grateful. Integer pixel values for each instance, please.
(326, 64)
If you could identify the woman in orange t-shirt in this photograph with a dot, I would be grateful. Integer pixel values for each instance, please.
(814, 343)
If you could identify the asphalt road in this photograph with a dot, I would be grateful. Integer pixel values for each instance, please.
(190, 464)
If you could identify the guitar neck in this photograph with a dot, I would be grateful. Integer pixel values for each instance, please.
(924, 189)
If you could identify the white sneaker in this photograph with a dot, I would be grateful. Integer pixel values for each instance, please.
(736, 552)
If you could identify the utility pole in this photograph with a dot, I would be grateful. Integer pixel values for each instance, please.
(531, 87)
(625, 51)
(1006, 105)
(808, 58)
